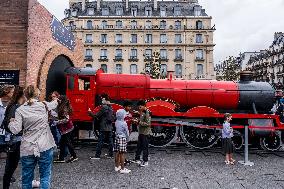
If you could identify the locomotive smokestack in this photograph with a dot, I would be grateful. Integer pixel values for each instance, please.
(170, 75)
(245, 76)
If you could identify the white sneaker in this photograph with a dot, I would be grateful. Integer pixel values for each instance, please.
(125, 171)
(144, 164)
(35, 184)
(117, 168)
(137, 161)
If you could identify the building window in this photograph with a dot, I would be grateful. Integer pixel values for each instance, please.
(118, 24)
(103, 38)
(118, 54)
(104, 68)
(178, 71)
(178, 25)
(91, 11)
(199, 38)
(133, 69)
(103, 55)
(163, 54)
(89, 54)
(89, 25)
(177, 11)
(199, 54)
(119, 11)
(89, 66)
(164, 69)
(118, 38)
(178, 38)
(163, 24)
(104, 24)
(163, 12)
(89, 38)
(133, 24)
(163, 38)
(133, 38)
(133, 54)
(148, 53)
(148, 11)
(74, 13)
(197, 11)
(118, 69)
(199, 71)
(178, 54)
(148, 38)
(148, 24)
(105, 11)
(199, 25)
(134, 11)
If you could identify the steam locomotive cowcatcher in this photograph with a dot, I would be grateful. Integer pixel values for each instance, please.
(190, 109)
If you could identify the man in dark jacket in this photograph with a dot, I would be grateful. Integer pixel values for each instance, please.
(144, 130)
(105, 119)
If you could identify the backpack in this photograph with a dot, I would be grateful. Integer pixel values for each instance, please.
(110, 118)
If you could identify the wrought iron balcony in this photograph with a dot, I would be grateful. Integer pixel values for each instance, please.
(133, 59)
(88, 58)
(103, 59)
(118, 59)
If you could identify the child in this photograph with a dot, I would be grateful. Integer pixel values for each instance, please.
(227, 134)
(121, 139)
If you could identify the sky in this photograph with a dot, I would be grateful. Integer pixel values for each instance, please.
(241, 25)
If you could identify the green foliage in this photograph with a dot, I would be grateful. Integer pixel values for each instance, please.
(153, 66)
(230, 69)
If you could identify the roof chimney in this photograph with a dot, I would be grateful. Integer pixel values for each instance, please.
(126, 4)
(155, 4)
(98, 5)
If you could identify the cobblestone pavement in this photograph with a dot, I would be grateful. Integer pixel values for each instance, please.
(174, 168)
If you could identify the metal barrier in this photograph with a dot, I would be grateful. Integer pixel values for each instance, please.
(246, 161)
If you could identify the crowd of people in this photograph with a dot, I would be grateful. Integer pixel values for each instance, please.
(31, 129)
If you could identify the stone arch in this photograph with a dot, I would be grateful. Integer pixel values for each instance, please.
(74, 57)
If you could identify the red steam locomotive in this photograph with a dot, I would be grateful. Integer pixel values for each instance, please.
(189, 109)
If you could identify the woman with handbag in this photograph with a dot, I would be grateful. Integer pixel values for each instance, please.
(65, 127)
(13, 155)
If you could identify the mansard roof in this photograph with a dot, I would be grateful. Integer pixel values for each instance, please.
(187, 8)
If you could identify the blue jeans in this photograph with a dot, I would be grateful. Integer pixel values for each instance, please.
(56, 134)
(45, 165)
(102, 136)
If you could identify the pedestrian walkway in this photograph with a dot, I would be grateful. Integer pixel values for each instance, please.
(179, 168)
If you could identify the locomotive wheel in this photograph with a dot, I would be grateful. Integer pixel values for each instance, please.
(271, 143)
(162, 136)
(198, 138)
(238, 140)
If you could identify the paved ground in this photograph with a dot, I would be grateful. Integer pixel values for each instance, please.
(178, 168)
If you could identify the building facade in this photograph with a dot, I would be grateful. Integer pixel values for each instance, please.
(268, 65)
(121, 36)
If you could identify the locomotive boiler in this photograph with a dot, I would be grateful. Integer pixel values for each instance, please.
(189, 109)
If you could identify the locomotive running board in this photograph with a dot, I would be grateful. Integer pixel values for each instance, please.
(180, 122)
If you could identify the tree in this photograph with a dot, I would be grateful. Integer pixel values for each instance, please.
(229, 70)
(153, 66)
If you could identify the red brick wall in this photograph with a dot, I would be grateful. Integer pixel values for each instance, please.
(26, 41)
(42, 48)
(13, 36)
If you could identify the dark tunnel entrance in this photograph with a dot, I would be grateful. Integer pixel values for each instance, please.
(56, 80)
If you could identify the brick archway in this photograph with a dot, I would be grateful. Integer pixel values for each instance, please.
(76, 58)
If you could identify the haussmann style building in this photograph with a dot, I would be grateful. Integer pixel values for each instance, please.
(121, 36)
(268, 64)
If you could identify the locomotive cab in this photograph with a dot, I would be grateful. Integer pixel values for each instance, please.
(81, 91)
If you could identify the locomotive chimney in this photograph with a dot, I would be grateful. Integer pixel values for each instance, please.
(170, 75)
(245, 76)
